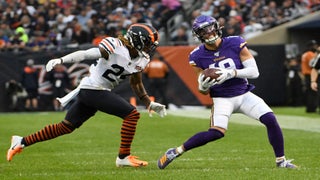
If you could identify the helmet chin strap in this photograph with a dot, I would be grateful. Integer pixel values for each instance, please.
(211, 40)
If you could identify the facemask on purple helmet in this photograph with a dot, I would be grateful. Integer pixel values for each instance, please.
(206, 25)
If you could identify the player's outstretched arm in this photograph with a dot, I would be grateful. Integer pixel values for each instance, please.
(77, 56)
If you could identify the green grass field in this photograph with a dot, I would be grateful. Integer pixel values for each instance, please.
(90, 152)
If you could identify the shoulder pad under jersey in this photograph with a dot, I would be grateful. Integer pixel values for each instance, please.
(109, 44)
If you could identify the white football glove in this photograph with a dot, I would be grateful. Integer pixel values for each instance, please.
(158, 108)
(205, 84)
(52, 63)
(225, 74)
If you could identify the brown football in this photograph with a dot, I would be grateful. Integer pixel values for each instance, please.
(210, 72)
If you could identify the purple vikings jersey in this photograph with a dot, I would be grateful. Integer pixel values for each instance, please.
(226, 56)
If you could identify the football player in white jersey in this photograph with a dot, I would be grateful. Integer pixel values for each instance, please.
(117, 59)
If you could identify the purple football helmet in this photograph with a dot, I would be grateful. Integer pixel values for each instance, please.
(204, 25)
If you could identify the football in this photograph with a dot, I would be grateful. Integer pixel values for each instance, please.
(210, 72)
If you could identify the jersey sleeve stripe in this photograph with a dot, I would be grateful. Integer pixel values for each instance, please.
(192, 63)
(104, 47)
(109, 42)
(120, 43)
(107, 45)
(242, 45)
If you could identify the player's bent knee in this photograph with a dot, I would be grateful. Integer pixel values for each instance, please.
(269, 119)
(68, 125)
(134, 114)
(222, 130)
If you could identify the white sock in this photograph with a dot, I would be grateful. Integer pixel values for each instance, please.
(180, 149)
(278, 159)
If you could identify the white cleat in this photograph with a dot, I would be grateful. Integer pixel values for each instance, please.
(15, 148)
(286, 164)
(130, 161)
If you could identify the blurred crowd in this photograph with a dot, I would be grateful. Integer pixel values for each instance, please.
(249, 18)
(36, 25)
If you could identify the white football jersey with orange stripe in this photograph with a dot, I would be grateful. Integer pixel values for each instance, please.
(108, 73)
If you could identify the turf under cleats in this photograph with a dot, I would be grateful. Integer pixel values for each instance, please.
(130, 161)
(286, 164)
(15, 148)
(167, 158)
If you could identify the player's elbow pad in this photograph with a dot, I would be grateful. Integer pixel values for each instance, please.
(90, 54)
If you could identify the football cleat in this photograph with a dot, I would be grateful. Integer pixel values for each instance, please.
(15, 148)
(130, 161)
(167, 158)
(286, 164)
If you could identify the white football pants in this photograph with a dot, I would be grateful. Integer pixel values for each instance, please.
(248, 104)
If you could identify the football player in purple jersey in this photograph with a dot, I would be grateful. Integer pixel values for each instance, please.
(230, 92)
